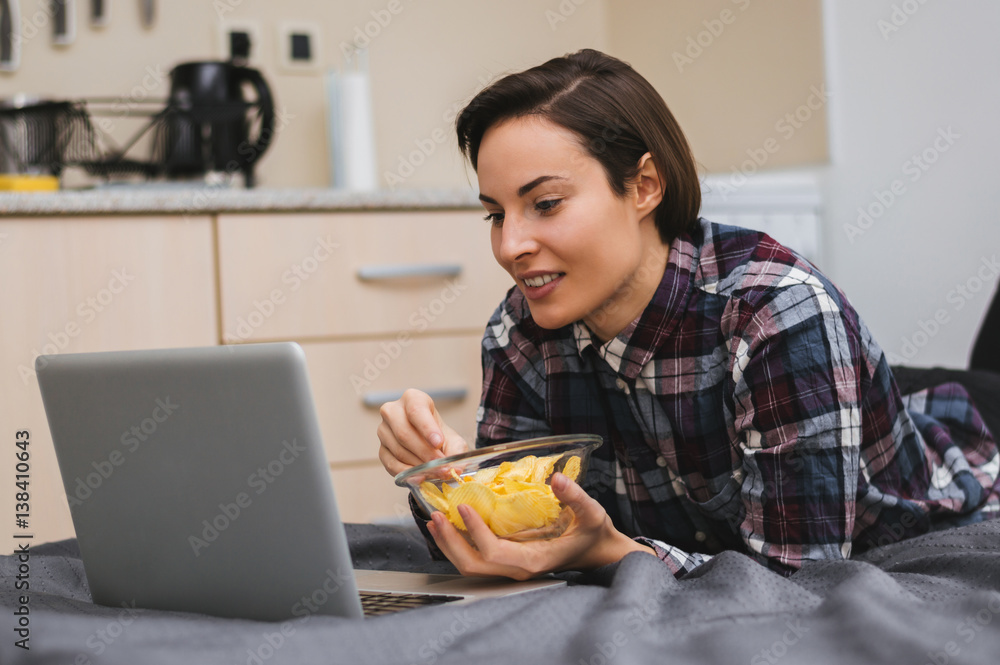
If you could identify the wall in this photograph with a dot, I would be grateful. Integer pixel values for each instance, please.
(744, 78)
(425, 58)
(914, 137)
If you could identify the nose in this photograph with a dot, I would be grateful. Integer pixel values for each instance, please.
(516, 239)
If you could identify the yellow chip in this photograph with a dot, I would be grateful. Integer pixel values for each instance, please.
(434, 496)
(511, 498)
(543, 468)
(528, 509)
(486, 476)
(517, 486)
(521, 469)
(572, 468)
(477, 496)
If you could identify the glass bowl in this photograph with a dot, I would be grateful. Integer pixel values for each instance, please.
(507, 484)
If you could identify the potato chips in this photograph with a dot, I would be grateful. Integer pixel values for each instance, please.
(511, 497)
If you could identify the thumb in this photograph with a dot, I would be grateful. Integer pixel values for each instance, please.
(453, 442)
(582, 504)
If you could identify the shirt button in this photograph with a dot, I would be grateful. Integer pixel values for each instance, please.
(661, 461)
(622, 385)
(700, 536)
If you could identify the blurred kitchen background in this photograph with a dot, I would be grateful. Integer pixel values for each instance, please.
(734, 72)
(863, 133)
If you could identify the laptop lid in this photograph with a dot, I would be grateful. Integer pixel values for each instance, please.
(197, 480)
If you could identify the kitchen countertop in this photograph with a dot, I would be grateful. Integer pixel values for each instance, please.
(188, 200)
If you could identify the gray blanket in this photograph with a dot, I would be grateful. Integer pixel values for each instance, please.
(931, 600)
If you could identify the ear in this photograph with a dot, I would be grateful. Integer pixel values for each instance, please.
(648, 186)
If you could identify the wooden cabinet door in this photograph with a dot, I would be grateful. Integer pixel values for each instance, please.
(324, 275)
(78, 284)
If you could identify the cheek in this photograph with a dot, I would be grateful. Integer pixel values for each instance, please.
(495, 238)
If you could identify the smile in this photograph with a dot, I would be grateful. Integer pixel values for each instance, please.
(542, 280)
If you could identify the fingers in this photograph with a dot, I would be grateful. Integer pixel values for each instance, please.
(412, 432)
(467, 558)
(422, 416)
(481, 534)
(588, 511)
(396, 462)
(452, 544)
(453, 442)
(589, 542)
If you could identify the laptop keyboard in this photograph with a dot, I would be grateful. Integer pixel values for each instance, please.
(375, 603)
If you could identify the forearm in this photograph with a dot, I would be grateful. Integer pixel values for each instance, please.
(610, 549)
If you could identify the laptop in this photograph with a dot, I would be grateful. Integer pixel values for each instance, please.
(197, 481)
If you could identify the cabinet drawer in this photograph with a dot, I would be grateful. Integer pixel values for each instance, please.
(343, 374)
(321, 275)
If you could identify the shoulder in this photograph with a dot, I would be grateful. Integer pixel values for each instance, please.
(744, 263)
(772, 293)
(763, 277)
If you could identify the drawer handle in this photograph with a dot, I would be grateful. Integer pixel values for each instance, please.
(374, 400)
(389, 272)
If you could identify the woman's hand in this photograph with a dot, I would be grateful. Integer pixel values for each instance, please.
(412, 433)
(590, 541)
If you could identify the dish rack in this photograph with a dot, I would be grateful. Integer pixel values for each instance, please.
(48, 137)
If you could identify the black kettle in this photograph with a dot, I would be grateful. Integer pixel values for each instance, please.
(206, 125)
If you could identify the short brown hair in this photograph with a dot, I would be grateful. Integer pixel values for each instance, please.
(615, 112)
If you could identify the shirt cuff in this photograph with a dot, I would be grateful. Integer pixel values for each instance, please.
(679, 561)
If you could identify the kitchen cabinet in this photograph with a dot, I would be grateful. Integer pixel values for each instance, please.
(380, 300)
(75, 284)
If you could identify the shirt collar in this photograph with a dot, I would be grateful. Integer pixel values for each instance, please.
(631, 349)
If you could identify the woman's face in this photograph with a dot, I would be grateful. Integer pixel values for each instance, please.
(575, 249)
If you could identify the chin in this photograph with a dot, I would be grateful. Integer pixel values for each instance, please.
(546, 318)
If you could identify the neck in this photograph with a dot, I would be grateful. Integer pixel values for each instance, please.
(633, 294)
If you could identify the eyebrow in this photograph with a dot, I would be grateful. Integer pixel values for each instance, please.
(524, 189)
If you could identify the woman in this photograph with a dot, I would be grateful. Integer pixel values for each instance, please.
(743, 403)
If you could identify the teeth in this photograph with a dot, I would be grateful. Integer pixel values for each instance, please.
(541, 279)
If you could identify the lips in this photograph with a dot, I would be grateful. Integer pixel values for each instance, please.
(540, 284)
(542, 280)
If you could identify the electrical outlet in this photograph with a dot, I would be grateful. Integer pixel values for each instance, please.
(63, 22)
(100, 13)
(237, 36)
(300, 48)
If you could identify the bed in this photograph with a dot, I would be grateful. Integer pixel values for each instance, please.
(933, 599)
(930, 600)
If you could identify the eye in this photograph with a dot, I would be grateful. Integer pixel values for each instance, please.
(496, 218)
(547, 205)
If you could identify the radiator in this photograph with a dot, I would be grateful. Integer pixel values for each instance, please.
(786, 206)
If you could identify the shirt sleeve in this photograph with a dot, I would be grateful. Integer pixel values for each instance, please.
(679, 561)
(797, 373)
(512, 406)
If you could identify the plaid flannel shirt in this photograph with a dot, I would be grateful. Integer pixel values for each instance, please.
(746, 408)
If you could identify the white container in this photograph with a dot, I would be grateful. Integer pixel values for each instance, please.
(351, 130)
